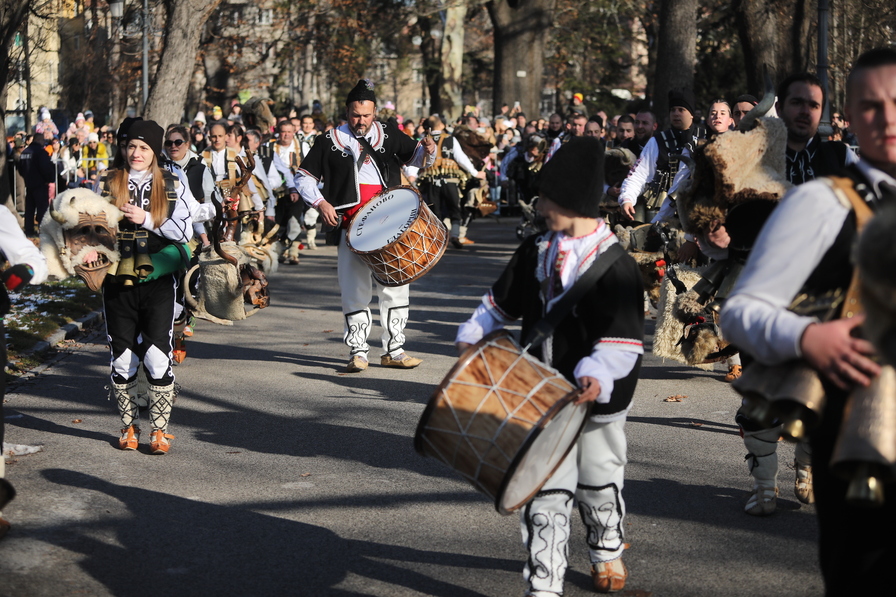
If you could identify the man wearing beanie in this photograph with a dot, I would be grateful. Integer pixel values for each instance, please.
(650, 177)
(742, 106)
(355, 161)
(597, 345)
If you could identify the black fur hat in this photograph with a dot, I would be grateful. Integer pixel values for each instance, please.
(574, 177)
(362, 92)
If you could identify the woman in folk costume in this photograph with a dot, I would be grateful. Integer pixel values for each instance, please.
(139, 311)
(597, 344)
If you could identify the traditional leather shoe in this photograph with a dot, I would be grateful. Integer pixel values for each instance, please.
(180, 351)
(802, 485)
(455, 242)
(356, 364)
(734, 371)
(609, 577)
(160, 443)
(401, 361)
(130, 438)
(466, 241)
(762, 502)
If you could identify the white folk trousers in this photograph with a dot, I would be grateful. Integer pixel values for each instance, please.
(356, 286)
(592, 475)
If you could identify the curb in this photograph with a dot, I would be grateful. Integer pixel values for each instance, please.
(68, 330)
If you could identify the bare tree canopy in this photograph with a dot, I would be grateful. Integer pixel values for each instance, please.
(168, 91)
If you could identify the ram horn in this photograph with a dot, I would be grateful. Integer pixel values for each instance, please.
(56, 215)
(761, 109)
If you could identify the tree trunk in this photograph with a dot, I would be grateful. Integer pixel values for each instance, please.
(431, 51)
(520, 30)
(183, 29)
(676, 53)
(12, 15)
(453, 60)
(774, 34)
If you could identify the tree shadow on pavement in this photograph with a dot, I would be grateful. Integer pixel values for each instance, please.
(718, 506)
(698, 425)
(195, 548)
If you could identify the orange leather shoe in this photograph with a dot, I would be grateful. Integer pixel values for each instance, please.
(130, 438)
(160, 443)
(609, 577)
(734, 371)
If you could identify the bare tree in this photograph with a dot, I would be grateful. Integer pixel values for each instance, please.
(13, 15)
(521, 30)
(453, 59)
(775, 33)
(677, 52)
(183, 29)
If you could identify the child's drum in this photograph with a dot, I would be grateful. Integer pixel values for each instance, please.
(503, 420)
(397, 236)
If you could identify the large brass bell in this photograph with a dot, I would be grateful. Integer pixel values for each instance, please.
(143, 262)
(865, 453)
(126, 273)
(790, 394)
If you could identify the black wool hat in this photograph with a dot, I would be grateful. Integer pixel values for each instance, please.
(149, 132)
(122, 135)
(683, 98)
(362, 92)
(746, 98)
(574, 177)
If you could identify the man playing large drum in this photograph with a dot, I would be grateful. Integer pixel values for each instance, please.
(597, 344)
(355, 161)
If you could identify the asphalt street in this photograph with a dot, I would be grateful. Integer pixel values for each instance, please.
(289, 477)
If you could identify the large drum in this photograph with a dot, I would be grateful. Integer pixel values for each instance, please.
(503, 420)
(397, 236)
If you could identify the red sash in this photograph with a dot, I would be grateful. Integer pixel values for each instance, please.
(367, 193)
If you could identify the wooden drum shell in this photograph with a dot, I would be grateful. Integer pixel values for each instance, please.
(489, 410)
(413, 253)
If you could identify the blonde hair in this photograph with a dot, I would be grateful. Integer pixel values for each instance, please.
(158, 196)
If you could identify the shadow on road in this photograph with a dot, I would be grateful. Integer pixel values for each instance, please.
(194, 548)
(699, 425)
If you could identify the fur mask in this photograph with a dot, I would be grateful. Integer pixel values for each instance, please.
(80, 221)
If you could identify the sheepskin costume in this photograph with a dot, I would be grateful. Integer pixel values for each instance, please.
(59, 228)
(257, 113)
(732, 169)
(651, 263)
(669, 328)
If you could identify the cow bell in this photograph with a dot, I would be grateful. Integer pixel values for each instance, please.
(865, 452)
(790, 393)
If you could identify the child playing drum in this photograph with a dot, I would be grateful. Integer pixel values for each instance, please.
(596, 344)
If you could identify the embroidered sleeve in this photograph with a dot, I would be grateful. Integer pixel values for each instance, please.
(179, 226)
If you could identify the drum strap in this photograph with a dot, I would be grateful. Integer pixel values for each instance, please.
(541, 330)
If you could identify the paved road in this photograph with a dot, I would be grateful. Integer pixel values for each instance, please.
(289, 477)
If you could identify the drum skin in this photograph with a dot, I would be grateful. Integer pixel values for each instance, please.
(419, 245)
(487, 413)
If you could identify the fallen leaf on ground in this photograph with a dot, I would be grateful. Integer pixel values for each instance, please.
(675, 398)
(305, 475)
(76, 420)
(696, 424)
(328, 331)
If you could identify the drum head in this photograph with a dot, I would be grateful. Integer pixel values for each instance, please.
(546, 448)
(383, 219)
